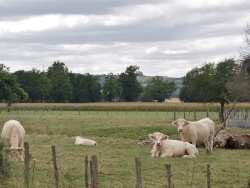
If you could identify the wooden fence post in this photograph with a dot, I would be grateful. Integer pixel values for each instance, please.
(55, 166)
(138, 172)
(94, 170)
(26, 164)
(208, 176)
(169, 175)
(91, 172)
(86, 172)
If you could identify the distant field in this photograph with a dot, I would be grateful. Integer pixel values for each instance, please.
(117, 134)
(123, 106)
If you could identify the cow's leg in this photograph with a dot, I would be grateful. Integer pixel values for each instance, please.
(189, 156)
(167, 155)
(194, 142)
(211, 143)
(207, 147)
(190, 153)
(21, 151)
(21, 155)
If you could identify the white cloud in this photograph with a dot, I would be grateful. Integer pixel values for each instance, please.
(152, 50)
(166, 38)
(41, 23)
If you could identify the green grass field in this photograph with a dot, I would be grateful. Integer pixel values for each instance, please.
(117, 134)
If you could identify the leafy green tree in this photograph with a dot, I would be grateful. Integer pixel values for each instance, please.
(130, 87)
(86, 88)
(10, 91)
(111, 89)
(208, 83)
(240, 85)
(158, 89)
(57, 66)
(35, 83)
(61, 88)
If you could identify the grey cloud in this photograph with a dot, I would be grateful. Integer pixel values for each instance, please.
(87, 7)
(196, 34)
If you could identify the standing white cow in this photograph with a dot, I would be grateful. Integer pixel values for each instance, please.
(202, 130)
(13, 133)
(163, 147)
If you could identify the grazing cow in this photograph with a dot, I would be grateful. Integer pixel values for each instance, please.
(13, 134)
(202, 130)
(163, 147)
(84, 141)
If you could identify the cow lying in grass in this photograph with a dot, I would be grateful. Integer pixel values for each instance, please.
(163, 147)
(79, 140)
(13, 134)
(193, 131)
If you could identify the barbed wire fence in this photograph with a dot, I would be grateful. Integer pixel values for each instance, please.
(173, 114)
(57, 177)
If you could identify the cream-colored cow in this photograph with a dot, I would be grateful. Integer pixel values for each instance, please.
(163, 147)
(13, 134)
(193, 131)
(79, 140)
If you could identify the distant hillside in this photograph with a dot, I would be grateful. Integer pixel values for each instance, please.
(144, 80)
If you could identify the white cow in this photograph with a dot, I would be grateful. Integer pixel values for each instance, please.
(163, 147)
(202, 130)
(13, 134)
(79, 140)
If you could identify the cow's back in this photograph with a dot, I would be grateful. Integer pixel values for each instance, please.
(12, 127)
(204, 128)
(208, 124)
(176, 147)
(199, 130)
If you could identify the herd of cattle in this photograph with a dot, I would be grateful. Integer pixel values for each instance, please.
(203, 130)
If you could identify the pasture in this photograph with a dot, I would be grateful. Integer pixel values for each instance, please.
(117, 134)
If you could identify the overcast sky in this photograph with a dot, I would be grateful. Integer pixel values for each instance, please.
(162, 37)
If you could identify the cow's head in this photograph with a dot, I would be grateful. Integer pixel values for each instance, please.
(158, 138)
(15, 153)
(180, 124)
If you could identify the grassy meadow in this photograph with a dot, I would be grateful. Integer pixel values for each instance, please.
(117, 134)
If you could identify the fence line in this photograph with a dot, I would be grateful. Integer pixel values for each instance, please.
(189, 115)
(94, 171)
(93, 167)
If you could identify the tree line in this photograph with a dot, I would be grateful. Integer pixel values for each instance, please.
(59, 85)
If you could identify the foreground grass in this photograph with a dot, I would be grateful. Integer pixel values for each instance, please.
(117, 136)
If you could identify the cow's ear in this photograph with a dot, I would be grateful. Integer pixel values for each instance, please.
(151, 136)
(165, 137)
(174, 123)
(187, 122)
